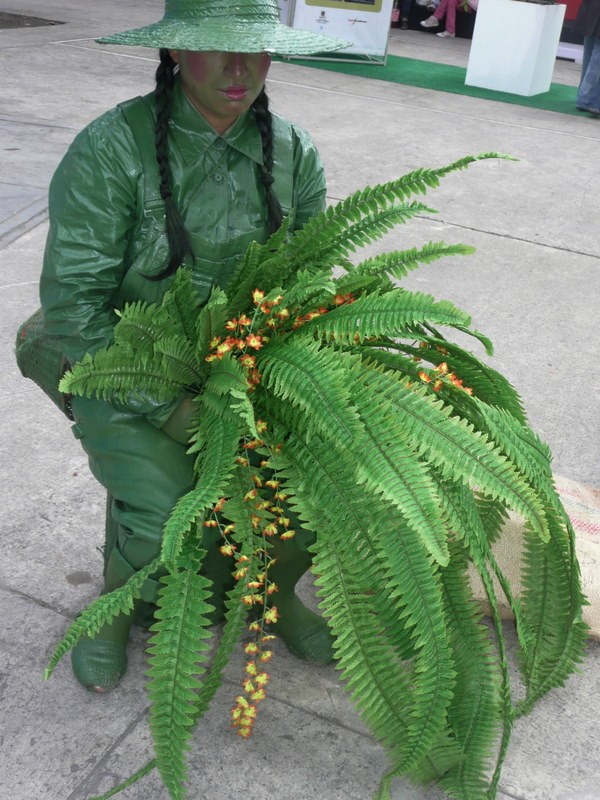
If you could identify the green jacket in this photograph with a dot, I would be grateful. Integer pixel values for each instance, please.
(107, 234)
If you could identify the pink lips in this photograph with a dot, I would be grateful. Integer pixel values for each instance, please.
(235, 92)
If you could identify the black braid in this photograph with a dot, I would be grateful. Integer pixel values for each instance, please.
(264, 123)
(177, 234)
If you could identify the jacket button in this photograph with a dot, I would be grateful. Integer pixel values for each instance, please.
(218, 177)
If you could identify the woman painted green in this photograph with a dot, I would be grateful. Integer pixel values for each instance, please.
(189, 174)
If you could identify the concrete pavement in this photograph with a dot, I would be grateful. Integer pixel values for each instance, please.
(532, 287)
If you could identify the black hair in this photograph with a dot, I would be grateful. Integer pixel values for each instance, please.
(177, 234)
(265, 127)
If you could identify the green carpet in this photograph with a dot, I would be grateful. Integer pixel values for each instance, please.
(445, 78)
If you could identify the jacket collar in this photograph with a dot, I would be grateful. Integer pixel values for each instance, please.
(193, 133)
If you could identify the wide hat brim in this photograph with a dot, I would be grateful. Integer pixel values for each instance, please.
(241, 37)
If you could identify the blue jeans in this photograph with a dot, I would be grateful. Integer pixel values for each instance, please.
(588, 95)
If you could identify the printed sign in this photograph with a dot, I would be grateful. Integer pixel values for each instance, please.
(363, 23)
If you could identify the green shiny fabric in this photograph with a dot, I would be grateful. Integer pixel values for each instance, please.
(107, 234)
(107, 237)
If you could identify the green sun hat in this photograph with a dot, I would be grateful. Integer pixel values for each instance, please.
(238, 26)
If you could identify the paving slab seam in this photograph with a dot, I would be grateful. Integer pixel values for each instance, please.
(310, 713)
(22, 221)
(62, 612)
(442, 221)
(80, 790)
(105, 52)
(19, 286)
(37, 122)
(404, 104)
(511, 237)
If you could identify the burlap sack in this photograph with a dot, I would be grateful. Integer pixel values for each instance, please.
(582, 504)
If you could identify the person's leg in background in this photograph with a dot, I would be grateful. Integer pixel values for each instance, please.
(588, 94)
(450, 10)
(434, 20)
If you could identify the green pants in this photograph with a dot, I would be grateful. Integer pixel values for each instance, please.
(144, 471)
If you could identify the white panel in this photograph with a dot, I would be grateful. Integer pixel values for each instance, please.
(365, 24)
(285, 11)
(514, 46)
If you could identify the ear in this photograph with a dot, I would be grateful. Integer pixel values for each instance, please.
(174, 55)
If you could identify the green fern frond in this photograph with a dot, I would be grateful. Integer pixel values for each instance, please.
(182, 303)
(388, 466)
(474, 713)
(459, 451)
(210, 321)
(100, 612)
(140, 326)
(334, 239)
(177, 652)
(114, 374)
(258, 269)
(526, 450)
(307, 288)
(179, 361)
(312, 380)
(461, 510)
(145, 770)
(410, 576)
(332, 224)
(373, 679)
(482, 338)
(228, 378)
(463, 163)
(216, 465)
(374, 353)
(355, 283)
(401, 262)
(552, 601)
(492, 513)
(388, 314)
(487, 383)
(240, 514)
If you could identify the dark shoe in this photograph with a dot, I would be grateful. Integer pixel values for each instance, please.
(404, 23)
(98, 664)
(595, 112)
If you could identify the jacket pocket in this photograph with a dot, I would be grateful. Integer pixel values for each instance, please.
(150, 247)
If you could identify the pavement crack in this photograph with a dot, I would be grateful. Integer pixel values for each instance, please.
(82, 789)
(498, 234)
(309, 712)
(63, 612)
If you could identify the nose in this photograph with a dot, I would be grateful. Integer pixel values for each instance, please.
(237, 65)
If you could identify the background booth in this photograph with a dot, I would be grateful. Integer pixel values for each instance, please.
(363, 23)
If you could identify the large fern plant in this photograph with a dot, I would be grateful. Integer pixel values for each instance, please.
(324, 389)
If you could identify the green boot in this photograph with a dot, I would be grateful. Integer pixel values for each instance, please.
(143, 615)
(100, 663)
(304, 633)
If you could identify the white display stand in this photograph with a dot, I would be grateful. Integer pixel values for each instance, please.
(285, 11)
(363, 23)
(514, 46)
(570, 52)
